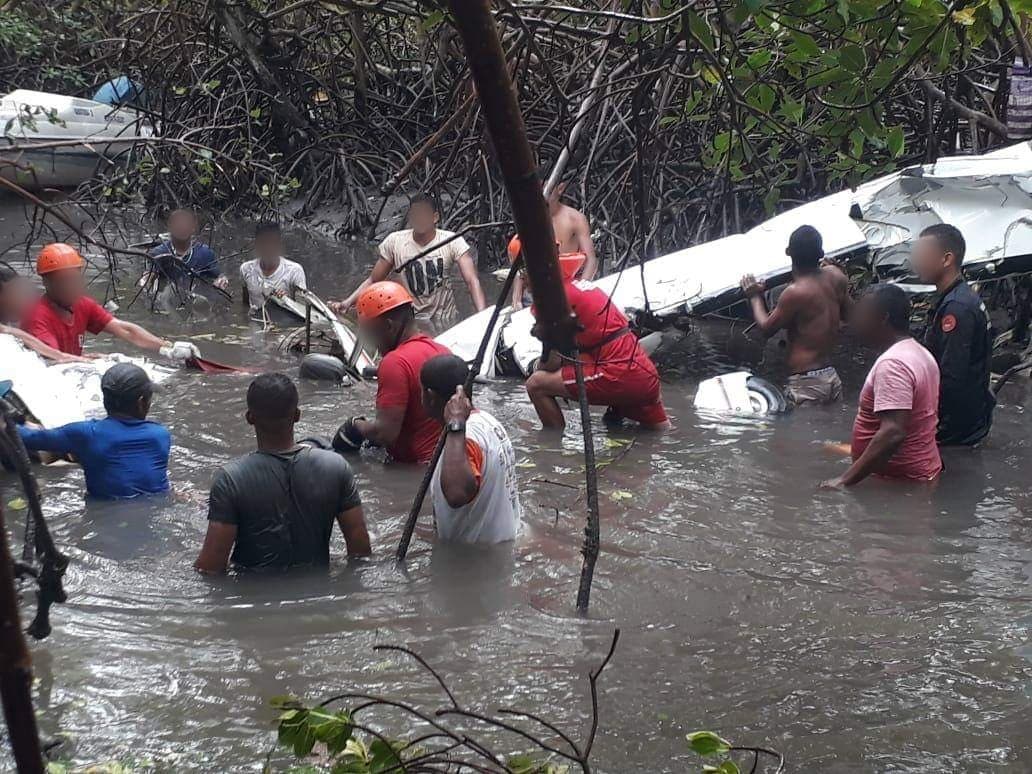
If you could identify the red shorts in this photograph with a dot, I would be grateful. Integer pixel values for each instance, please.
(632, 388)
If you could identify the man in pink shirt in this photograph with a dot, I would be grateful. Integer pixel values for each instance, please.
(894, 431)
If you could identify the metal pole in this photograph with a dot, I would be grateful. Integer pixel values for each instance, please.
(308, 328)
(16, 671)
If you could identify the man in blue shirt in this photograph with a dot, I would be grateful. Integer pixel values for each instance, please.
(124, 455)
(182, 258)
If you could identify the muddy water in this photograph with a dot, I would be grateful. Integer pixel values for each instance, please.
(884, 629)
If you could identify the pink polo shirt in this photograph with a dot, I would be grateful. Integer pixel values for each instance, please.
(905, 377)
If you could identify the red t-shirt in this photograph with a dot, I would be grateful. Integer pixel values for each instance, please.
(398, 385)
(48, 323)
(905, 377)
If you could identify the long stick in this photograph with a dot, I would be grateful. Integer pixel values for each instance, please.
(557, 325)
(591, 531)
(504, 120)
(16, 671)
(474, 371)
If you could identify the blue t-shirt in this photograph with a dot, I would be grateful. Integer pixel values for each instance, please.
(120, 457)
(199, 258)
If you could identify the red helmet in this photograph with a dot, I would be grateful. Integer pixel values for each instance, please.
(381, 297)
(58, 256)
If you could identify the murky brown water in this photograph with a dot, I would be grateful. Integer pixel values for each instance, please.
(884, 629)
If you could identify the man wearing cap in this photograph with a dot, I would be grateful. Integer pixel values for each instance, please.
(64, 314)
(122, 456)
(959, 337)
(811, 309)
(387, 318)
(618, 373)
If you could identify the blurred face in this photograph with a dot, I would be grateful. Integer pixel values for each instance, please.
(268, 246)
(929, 261)
(16, 297)
(182, 226)
(66, 286)
(422, 218)
(381, 332)
(867, 319)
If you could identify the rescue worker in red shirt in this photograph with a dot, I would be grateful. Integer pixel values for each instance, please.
(617, 371)
(387, 317)
(64, 314)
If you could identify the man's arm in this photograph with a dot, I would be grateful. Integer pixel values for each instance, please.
(517, 292)
(468, 269)
(586, 246)
(381, 270)
(218, 545)
(134, 334)
(891, 433)
(356, 537)
(463, 459)
(66, 439)
(784, 311)
(222, 526)
(40, 347)
(385, 429)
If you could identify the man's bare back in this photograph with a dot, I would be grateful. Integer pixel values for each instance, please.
(810, 310)
(816, 304)
(569, 226)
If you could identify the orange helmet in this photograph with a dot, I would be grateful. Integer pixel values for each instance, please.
(515, 247)
(570, 264)
(381, 297)
(58, 256)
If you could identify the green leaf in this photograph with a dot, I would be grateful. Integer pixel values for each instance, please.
(804, 44)
(432, 20)
(852, 58)
(758, 59)
(17, 504)
(707, 743)
(255, 113)
(722, 141)
(620, 495)
(896, 141)
(384, 756)
(700, 29)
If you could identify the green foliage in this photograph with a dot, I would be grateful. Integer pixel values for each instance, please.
(820, 81)
(340, 748)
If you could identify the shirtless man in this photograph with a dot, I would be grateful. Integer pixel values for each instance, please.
(573, 234)
(811, 309)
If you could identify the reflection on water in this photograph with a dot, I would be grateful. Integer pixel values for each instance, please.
(884, 629)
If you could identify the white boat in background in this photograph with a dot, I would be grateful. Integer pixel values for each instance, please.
(988, 197)
(39, 118)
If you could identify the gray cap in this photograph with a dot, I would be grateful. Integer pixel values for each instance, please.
(125, 382)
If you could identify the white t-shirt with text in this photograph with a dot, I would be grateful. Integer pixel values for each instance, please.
(427, 277)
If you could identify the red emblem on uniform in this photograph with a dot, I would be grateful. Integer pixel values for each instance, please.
(949, 322)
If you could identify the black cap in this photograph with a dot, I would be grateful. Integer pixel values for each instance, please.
(125, 383)
(805, 242)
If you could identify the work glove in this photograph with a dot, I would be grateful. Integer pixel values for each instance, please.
(181, 352)
(348, 438)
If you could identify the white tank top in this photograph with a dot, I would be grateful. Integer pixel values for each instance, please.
(495, 513)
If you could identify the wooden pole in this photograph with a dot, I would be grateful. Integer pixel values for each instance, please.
(16, 671)
(501, 111)
(556, 325)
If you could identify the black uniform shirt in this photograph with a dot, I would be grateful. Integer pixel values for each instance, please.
(958, 336)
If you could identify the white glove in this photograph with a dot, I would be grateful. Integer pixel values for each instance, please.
(180, 352)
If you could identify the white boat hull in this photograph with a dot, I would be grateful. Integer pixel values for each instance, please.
(29, 118)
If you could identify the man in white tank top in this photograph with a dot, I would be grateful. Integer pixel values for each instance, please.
(474, 488)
